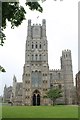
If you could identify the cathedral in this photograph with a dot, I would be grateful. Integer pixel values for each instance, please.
(37, 78)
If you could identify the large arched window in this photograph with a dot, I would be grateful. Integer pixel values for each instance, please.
(36, 78)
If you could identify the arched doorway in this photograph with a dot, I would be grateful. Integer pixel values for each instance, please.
(36, 98)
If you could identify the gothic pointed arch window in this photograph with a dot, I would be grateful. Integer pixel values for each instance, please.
(40, 46)
(36, 78)
(36, 46)
(32, 46)
(36, 71)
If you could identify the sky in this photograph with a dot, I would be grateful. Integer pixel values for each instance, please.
(62, 33)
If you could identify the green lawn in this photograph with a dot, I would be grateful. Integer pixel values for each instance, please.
(40, 112)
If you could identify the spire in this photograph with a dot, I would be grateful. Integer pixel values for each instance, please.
(43, 28)
(5, 86)
(14, 78)
(29, 28)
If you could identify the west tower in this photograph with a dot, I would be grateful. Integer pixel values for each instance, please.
(36, 70)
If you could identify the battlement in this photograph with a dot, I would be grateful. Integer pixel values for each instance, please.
(43, 23)
(38, 28)
(56, 70)
(66, 50)
(66, 54)
(36, 24)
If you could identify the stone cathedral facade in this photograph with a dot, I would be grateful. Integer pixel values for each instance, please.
(37, 78)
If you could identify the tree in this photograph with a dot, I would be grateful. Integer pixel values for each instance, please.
(2, 69)
(53, 94)
(14, 13)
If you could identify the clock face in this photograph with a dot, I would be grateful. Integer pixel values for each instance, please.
(36, 32)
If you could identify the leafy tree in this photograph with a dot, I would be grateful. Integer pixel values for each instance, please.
(14, 13)
(2, 69)
(53, 94)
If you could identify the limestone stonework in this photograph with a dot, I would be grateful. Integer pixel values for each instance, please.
(7, 94)
(37, 78)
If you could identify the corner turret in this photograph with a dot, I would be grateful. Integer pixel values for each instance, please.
(14, 85)
(66, 66)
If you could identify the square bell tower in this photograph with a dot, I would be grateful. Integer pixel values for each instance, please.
(36, 70)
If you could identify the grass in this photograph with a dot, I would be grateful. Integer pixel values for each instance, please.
(40, 111)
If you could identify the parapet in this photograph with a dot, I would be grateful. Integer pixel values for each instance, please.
(66, 50)
(43, 23)
(55, 70)
(36, 24)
